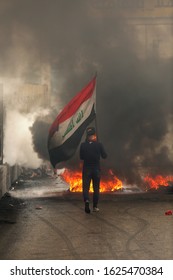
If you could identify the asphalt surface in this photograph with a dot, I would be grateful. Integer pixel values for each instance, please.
(41, 220)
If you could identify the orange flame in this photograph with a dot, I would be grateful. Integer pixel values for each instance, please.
(158, 181)
(109, 184)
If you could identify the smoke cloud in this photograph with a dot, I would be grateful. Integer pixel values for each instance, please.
(134, 90)
(18, 147)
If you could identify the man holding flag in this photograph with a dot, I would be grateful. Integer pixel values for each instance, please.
(65, 135)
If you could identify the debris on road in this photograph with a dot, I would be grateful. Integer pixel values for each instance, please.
(168, 212)
(38, 207)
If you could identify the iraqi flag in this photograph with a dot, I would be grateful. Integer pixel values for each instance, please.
(69, 126)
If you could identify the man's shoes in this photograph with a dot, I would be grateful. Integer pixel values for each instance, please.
(87, 208)
(95, 209)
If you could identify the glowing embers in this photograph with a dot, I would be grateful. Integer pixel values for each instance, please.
(158, 181)
(109, 182)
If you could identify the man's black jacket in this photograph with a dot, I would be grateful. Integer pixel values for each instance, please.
(91, 152)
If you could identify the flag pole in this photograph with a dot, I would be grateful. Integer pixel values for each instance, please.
(96, 125)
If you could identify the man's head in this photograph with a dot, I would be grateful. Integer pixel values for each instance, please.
(91, 134)
(90, 131)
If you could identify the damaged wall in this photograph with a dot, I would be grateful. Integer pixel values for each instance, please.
(8, 175)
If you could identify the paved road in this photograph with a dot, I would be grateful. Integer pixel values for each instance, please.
(41, 221)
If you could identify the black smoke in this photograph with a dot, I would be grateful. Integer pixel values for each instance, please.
(134, 93)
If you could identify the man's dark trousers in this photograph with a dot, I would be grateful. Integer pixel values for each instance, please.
(91, 174)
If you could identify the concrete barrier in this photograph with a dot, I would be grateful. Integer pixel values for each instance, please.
(3, 180)
(15, 172)
(8, 175)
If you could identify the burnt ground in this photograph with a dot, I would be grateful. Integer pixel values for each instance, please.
(41, 220)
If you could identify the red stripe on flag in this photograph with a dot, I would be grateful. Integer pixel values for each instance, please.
(73, 105)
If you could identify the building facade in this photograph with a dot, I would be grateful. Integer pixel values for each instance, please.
(30, 97)
(149, 21)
